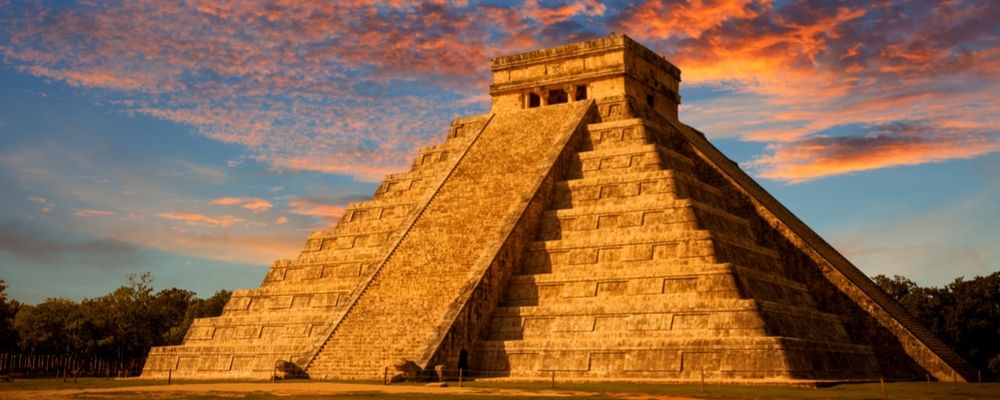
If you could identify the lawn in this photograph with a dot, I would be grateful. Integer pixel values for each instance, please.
(98, 388)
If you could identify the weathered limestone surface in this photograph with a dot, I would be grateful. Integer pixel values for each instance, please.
(579, 228)
(475, 208)
(299, 300)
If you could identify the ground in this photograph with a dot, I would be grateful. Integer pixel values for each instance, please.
(96, 388)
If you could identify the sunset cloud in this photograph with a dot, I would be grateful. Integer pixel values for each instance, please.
(89, 212)
(226, 201)
(881, 147)
(355, 87)
(254, 204)
(792, 72)
(202, 219)
(316, 208)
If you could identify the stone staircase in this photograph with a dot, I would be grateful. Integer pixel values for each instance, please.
(295, 305)
(404, 307)
(639, 271)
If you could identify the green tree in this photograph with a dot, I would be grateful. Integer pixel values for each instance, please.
(964, 313)
(199, 308)
(169, 309)
(42, 328)
(8, 311)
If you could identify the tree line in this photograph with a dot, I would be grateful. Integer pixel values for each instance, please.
(965, 314)
(119, 327)
(126, 323)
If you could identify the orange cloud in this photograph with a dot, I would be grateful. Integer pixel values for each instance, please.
(254, 204)
(662, 19)
(888, 146)
(257, 205)
(202, 219)
(551, 16)
(354, 87)
(316, 208)
(89, 212)
(226, 201)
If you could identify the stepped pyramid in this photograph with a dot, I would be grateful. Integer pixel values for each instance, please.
(579, 229)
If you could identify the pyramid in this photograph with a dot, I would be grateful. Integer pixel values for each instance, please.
(577, 229)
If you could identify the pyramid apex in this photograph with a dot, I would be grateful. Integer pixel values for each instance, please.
(609, 66)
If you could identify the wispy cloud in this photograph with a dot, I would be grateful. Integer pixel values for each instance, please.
(89, 212)
(307, 85)
(801, 68)
(354, 87)
(316, 208)
(884, 145)
(46, 206)
(202, 219)
(254, 204)
(26, 241)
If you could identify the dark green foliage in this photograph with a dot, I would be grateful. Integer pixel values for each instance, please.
(198, 308)
(45, 328)
(964, 313)
(121, 325)
(8, 310)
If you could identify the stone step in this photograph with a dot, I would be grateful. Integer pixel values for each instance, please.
(616, 134)
(632, 187)
(313, 273)
(356, 254)
(696, 215)
(628, 160)
(401, 309)
(672, 357)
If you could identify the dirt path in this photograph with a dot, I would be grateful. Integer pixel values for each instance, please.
(281, 389)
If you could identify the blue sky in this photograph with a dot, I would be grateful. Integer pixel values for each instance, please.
(203, 140)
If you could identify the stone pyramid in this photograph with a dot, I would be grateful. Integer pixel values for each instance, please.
(578, 229)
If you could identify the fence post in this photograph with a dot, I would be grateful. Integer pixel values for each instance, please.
(703, 379)
(385, 375)
(460, 377)
(885, 393)
(553, 379)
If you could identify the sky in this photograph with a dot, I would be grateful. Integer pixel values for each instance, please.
(202, 139)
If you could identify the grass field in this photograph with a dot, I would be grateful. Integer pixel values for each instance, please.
(96, 388)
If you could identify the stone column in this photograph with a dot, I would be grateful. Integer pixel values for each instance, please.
(543, 96)
(570, 93)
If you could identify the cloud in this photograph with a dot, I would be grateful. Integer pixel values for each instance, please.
(89, 212)
(28, 242)
(281, 220)
(254, 204)
(884, 145)
(355, 87)
(789, 72)
(226, 201)
(202, 219)
(47, 206)
(337, 87)
(316, 208)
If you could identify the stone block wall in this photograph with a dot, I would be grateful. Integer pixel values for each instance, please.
(292, 311)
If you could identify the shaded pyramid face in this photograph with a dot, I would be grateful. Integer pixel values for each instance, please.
(577, 229)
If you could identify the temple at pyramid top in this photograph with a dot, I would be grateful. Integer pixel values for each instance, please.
(601, 68)
(579, 229)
